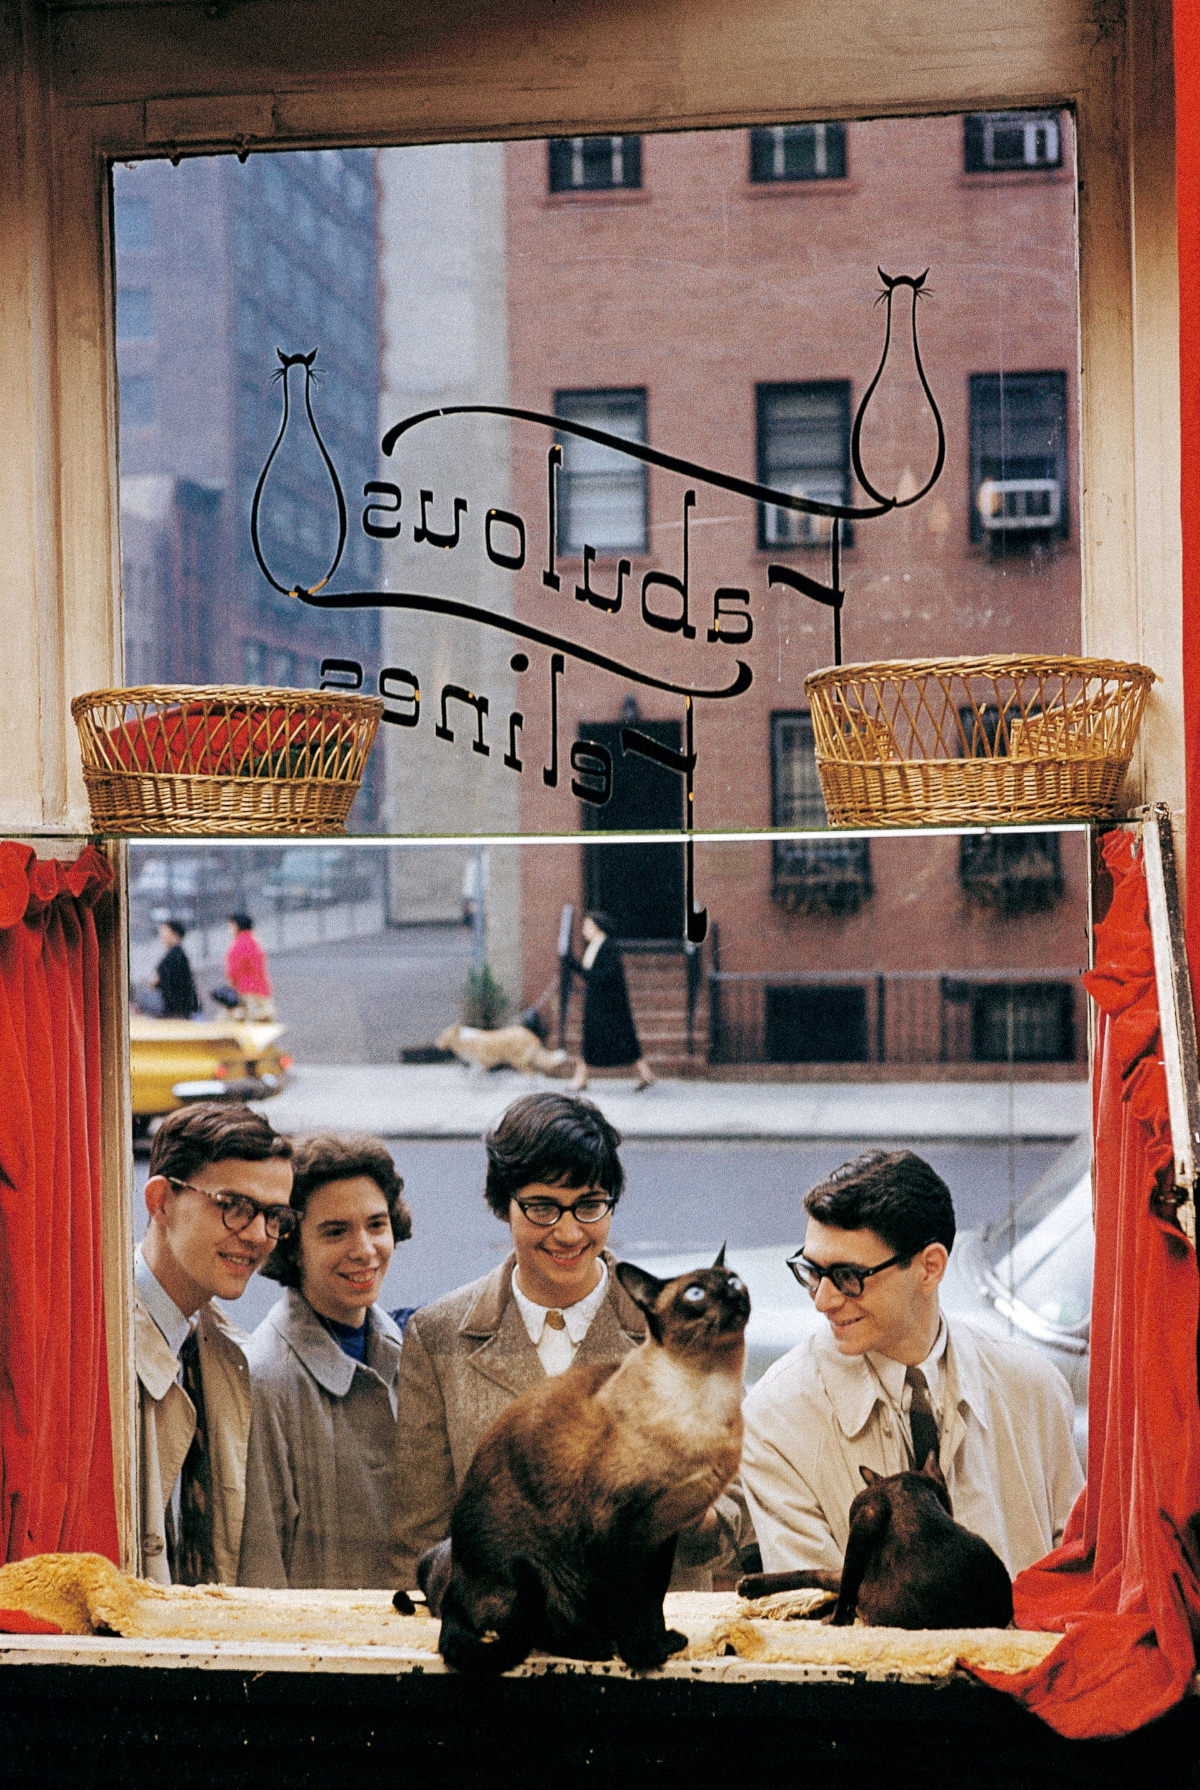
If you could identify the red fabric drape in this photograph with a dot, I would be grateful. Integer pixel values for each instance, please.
(1187, 190)
(56, 1469)
(1125, 1584)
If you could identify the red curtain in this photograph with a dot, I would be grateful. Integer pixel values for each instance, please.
(1187, 192)
(1125, 1585)
(56, 1469)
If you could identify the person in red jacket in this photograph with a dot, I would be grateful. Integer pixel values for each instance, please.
(246, 969)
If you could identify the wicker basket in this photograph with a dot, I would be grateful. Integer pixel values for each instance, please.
(217, 759)
(975, 742)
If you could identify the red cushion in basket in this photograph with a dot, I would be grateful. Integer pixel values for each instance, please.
(235, 742)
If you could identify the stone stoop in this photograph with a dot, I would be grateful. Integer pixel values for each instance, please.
(657, 982)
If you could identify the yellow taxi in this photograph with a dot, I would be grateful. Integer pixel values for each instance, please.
(173, 1061)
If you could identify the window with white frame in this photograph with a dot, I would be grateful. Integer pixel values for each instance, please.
(833, 874)
(803, 448)
(998, 142)
(602, 494)
(1018, 458)
(798, 152)
(594, 164)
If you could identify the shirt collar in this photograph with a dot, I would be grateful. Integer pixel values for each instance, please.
(577, 1317)
(891, 1374)
(174, 1325)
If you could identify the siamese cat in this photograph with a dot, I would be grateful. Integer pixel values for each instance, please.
(908, 1564)
(563, 1533)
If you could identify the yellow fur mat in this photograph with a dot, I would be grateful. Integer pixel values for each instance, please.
(86, 1595)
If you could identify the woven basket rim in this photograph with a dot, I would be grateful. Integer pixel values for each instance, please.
(244, 695)
(986, 665)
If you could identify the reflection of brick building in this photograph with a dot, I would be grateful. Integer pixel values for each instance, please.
(712, 294)
(218, 264)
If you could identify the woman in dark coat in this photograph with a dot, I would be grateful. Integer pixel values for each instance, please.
(610, 1037)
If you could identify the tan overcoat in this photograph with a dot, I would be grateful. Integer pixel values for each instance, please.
(465, 1358)
(167, 1423)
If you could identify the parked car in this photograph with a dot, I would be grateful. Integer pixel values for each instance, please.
(314, 875)
(195, 887)
(1027, 1274)
(173, 1061)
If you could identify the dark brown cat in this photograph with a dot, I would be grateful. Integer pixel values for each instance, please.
(908, 1564)
(563, 1534)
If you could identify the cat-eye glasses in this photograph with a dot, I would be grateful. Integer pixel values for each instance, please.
(847, 1277)
(588, 1210)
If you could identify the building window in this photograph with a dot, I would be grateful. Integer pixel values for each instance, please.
(135, 319)
(1011, 873)
(137, 401)
(131, 223)
(995, 142)
(594, 164)
(1018, 458)
(803, 448)
(602, 495)
(1016, 1022)
(798, 152)
(829, 876)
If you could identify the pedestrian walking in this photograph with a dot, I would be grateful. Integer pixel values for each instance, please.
(172, 993)
(246, 969)
(610, 1039)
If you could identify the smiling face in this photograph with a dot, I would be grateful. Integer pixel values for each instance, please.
(187, 1246)
(346, 1245)
(558, 1265)
(897, 1313)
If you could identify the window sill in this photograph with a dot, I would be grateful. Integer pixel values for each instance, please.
(1017, 177)
(599, 195)
(791, 189)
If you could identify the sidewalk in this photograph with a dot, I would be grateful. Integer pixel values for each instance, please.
(447, 1100)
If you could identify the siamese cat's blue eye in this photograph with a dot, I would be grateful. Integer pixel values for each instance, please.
(693, 1295)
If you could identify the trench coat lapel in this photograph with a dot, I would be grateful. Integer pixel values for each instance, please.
(506, 1357)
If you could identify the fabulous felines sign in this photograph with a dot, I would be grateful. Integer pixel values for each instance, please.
(664, 605)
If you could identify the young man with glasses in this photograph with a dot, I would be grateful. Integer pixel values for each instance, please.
(217, 1195)
(554, 1176)
(888, 1379)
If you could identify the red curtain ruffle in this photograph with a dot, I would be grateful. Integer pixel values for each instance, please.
(1124, 1587)
(56, 1468)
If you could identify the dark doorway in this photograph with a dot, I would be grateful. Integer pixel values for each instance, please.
(640, 887)
(816, 1025)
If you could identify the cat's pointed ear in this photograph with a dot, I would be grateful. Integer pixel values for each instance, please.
(869, 1476)
(642, 1288)
(720, 1261)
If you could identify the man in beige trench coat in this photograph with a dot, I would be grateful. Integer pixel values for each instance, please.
(217, 1196)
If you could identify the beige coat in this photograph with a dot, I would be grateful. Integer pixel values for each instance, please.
(167, 1423)
(465, 1358)
(322, 1452)
(1007, 1450)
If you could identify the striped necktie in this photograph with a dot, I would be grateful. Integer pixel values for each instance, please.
(196, 1564)
(921, 1421)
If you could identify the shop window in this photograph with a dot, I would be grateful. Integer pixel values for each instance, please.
(135, 318)
(798, 152)
(1011, 873)
(1018, 459)
(1013, 1022)
(594, 164)
(602, 495)
(131, 220)
(995, 142)
(138, 404)
(804, 448)
(831, 876)
(826, 1024)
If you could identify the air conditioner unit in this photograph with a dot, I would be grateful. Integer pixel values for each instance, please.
(1021, 140)
(1026, 504)
(795, 528)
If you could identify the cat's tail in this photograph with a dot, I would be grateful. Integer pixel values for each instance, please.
(470, 1647)
(763, 1584)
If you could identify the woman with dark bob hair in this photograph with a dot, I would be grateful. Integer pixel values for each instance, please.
(554, 1177)
(323, 1369)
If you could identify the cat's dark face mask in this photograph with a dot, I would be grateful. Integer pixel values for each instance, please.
(693, 1311)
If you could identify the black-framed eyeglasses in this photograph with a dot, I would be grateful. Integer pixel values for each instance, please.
(847, 1277)
(590, 1209)
(238, 1211)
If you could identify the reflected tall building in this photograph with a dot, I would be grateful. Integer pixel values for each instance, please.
(219, 264)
